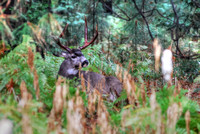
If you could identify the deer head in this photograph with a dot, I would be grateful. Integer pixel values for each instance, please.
(74, 57)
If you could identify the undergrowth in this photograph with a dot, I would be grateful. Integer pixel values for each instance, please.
(160, 112)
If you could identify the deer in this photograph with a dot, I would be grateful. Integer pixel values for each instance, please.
(108, 86)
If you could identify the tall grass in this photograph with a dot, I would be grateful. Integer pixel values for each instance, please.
(58, 106)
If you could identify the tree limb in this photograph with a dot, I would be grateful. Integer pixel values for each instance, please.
(127, 17)
(144, 18)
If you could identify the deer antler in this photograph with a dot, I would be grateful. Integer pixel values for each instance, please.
(59, 43)
(86, 39)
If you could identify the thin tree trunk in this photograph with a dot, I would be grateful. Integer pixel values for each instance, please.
(93, 15)
(49, 6)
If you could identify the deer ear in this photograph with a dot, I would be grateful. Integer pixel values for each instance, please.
(64, 54)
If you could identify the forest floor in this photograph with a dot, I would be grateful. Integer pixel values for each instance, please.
(193, 91)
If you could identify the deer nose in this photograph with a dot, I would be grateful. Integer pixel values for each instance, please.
(85, 63)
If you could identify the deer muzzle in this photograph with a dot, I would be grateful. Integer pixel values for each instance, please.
(85, 63)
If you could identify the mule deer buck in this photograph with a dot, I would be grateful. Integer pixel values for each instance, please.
(106, 85)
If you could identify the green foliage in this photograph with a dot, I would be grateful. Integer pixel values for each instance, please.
(23, 29)
(6, 34)
(15, 62)
(36, 10)
(98, 60)
(72, 14)
(188, 69)
(14, 66)
(9, 108)
(141, 116)
(125, 40)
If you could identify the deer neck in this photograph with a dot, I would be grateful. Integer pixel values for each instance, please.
(71, 73)
(67, 70)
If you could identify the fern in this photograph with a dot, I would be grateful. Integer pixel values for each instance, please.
(14, 66)
(9, 108)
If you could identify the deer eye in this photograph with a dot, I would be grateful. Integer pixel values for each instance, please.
(73, 56)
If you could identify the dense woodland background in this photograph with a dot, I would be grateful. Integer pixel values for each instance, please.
(33, 100)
